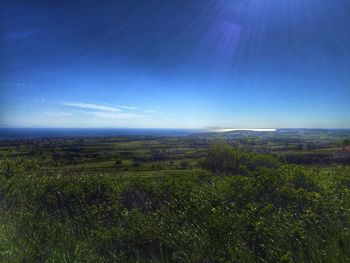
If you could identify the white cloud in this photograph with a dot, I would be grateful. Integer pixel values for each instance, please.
(151, 111)
(91, 106)
(128, 107)
(61, 113)
(115, 116)
(40, 101)
(17, 84)
(105, 110)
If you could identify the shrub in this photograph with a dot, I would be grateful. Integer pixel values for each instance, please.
(223, 159)
(272, 213)
(184, 164)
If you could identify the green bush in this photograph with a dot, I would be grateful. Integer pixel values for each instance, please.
(269, 212)
(223, 159)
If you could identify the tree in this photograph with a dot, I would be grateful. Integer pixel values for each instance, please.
(221, 159)
(117, 165)
(184, 164)
(345, 142)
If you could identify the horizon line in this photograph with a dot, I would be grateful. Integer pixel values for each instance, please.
(181, 128)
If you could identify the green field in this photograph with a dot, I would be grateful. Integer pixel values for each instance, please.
(225, 197)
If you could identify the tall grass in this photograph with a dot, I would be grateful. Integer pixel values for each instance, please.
(258, 210)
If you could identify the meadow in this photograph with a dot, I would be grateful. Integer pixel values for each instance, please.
(225, 197)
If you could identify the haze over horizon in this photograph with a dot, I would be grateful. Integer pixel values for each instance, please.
(180, 64)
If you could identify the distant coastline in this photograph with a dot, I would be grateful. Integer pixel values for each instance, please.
(38, 133)
(231, 130)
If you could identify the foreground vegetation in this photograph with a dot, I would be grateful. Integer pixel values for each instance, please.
(227, 206)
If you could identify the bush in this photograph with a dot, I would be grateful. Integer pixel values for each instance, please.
(223, 159)
(273, 213)
(184, 164)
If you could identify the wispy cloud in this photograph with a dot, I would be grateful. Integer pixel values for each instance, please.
(128, 107)
(115, 116)
(91, 106)
(60, 113)
(40, 101)
(16, 84)
(107, 111)
(152, 111)
(19, 84)
(23, 34)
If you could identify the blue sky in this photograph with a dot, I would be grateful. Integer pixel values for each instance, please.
(175, 64)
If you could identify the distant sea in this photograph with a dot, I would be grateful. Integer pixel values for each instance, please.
(36, 133)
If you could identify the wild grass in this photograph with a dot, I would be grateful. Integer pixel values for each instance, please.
(239, 208)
